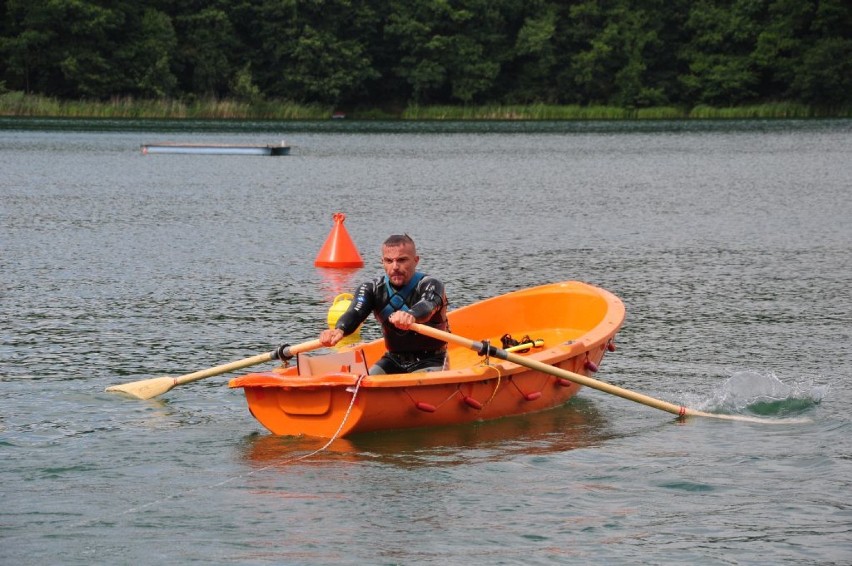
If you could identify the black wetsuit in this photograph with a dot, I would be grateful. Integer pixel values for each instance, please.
(408, 351)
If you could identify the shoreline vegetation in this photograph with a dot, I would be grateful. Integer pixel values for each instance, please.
(18, 104)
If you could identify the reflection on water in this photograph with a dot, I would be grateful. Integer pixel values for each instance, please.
(577, 424)
(334, 281)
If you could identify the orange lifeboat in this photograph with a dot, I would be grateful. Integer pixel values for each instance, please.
(568, 325)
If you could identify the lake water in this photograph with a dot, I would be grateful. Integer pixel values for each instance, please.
(729, 242)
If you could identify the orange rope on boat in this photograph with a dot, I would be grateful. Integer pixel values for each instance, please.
(496, 385)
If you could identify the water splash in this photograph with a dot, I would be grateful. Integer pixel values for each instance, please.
(763, 393)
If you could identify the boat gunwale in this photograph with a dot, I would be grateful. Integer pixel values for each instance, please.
(476, 373)
(596, 336)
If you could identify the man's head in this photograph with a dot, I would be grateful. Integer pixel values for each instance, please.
(400, 259)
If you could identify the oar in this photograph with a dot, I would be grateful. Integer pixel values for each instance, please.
(483, 349)
(148, 388)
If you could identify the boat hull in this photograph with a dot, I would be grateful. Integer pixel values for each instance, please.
(576, 321)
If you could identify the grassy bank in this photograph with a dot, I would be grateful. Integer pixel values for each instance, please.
(573, 112)
(19, 104)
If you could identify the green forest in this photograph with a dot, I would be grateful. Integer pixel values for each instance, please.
(397, 54)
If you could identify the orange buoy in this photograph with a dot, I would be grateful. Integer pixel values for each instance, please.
(339, 250)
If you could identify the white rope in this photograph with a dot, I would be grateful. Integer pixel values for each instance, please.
(336, 434)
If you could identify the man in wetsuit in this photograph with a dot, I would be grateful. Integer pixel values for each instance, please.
(399, 298)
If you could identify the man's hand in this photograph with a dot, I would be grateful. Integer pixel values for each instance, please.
(402, 320)
(331, 336)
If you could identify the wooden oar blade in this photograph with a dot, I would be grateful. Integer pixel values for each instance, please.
(146, 388)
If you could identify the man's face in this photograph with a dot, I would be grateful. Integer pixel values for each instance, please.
(400, 263)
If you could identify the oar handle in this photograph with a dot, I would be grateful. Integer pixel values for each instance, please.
(287, 351)
(484, 348)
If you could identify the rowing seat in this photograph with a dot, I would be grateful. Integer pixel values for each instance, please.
(349, 361)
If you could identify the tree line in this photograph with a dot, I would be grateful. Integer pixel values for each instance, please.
(386, 53)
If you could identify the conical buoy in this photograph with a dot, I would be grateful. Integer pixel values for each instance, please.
(339, 250)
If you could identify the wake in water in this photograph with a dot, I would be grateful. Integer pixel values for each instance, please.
(756, 393)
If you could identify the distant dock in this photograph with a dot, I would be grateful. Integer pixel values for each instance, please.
(215, 148)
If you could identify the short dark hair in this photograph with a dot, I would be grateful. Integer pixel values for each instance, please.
(398, 240)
